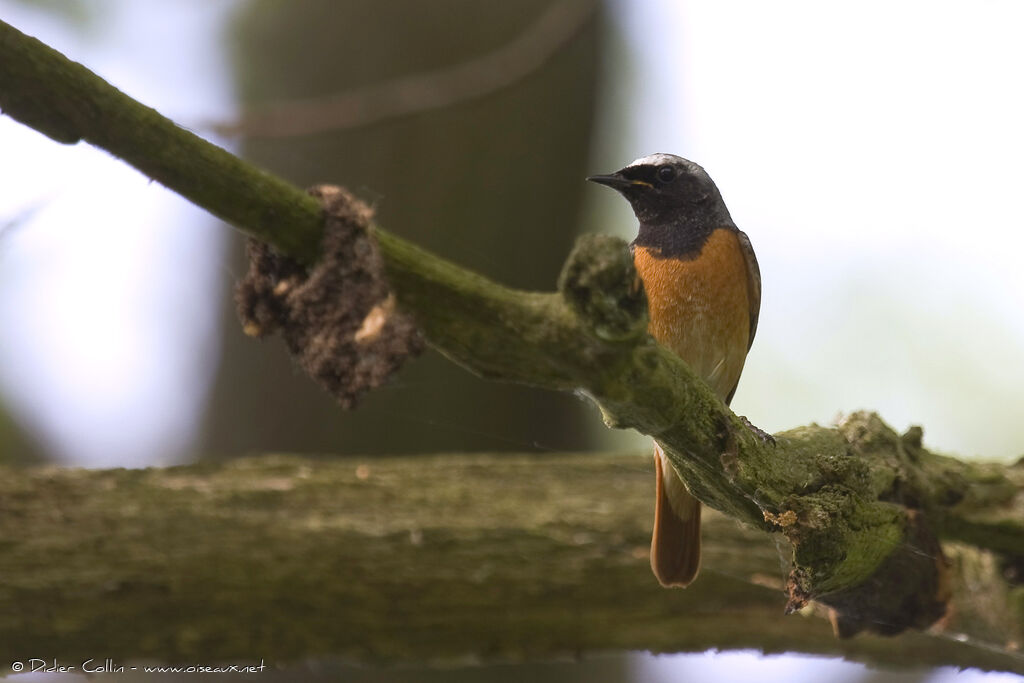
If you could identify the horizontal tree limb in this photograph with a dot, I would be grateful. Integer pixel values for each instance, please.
(448, 558)
(861, 506)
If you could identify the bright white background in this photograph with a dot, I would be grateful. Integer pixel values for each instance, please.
(108, 338)
(871, 151)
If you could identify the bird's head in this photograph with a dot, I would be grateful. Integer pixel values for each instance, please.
(664, 188)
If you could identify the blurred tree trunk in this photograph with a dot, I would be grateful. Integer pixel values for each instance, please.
(17, 447)
(494, 183)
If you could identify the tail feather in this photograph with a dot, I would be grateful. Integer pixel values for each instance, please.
(675, 544)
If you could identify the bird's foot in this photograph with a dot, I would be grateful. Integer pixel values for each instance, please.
(757, 431)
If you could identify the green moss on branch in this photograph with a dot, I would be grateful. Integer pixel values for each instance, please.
(406, 559)
(62, 99)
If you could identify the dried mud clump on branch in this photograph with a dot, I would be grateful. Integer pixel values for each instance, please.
(338, 317)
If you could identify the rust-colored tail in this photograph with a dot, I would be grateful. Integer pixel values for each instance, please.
(675, 544)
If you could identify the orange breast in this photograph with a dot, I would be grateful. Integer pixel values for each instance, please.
(699, 307)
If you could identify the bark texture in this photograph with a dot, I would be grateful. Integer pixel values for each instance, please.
(448, 558)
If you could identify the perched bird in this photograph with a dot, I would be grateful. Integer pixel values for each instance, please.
(703, 295)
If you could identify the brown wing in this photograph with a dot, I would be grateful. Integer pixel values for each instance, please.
(753, 293)
(753, 282)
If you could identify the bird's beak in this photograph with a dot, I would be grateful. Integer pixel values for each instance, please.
(616, 181)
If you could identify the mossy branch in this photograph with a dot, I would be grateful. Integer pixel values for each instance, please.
(407, 560)
(62, 99)
(861, 506)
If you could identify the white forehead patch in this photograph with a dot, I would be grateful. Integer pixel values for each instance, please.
(659, 159)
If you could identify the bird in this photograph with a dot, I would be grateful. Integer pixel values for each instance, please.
(703, 287)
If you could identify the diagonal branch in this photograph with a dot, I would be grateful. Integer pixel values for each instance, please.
(861, 506)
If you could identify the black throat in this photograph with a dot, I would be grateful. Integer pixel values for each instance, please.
(682, 237)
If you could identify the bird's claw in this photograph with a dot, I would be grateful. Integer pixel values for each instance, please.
(757, 431)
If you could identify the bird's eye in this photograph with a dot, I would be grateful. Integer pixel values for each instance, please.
(666, 174)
